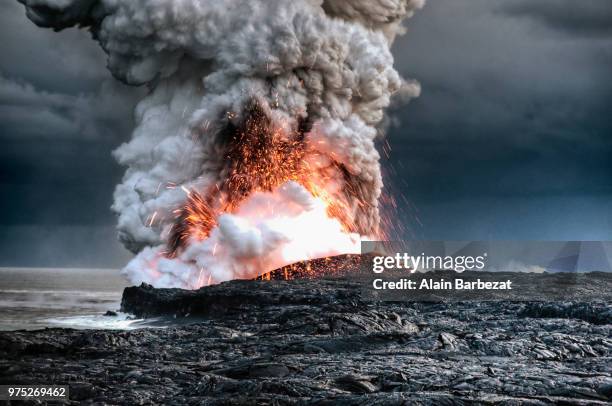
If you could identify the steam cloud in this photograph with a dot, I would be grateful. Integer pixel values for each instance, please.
(320, 71)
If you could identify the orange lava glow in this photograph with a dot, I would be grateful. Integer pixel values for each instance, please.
(336, 266)
(259, 157)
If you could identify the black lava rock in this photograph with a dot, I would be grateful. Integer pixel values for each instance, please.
(316, 341)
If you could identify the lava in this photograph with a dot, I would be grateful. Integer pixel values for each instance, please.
(260, 158)
(334, 266)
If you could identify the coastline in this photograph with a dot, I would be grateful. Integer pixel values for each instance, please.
(315, 341)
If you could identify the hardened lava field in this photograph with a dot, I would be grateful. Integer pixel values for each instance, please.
(316, 341)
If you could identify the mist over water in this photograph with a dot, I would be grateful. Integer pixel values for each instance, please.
(32, 298)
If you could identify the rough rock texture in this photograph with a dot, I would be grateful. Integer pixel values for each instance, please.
(316, 341)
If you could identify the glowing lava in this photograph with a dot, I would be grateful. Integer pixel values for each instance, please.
(274, 208)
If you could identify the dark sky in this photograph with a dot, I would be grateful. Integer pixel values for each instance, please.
(510, 139)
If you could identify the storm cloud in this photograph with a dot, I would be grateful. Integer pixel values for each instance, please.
(61, 115)
(584, 18)
(511, 135)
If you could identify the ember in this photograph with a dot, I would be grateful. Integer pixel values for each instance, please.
(260, 158)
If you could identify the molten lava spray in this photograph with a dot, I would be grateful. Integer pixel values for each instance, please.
(255, 145)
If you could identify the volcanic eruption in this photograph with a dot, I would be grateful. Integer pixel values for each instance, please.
(255, 145)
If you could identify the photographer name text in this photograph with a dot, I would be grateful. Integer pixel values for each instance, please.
(441, 284)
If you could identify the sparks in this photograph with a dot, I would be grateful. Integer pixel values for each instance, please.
(261, 157)
(152, 219)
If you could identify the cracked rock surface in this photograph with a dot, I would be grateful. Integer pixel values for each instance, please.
(316, 341)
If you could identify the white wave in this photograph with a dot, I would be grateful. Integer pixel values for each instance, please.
(122, 321)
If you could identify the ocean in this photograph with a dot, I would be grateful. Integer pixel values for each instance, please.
(34, 298)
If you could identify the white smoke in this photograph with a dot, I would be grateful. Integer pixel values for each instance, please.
(324, 62)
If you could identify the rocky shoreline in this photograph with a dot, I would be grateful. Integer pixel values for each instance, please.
(316, 341)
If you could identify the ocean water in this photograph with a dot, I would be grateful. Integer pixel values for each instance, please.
(34, 298)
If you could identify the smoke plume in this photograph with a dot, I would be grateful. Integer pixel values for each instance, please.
(255, 146)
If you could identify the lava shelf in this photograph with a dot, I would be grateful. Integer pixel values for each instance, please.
(336, 266)
(315, 341)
